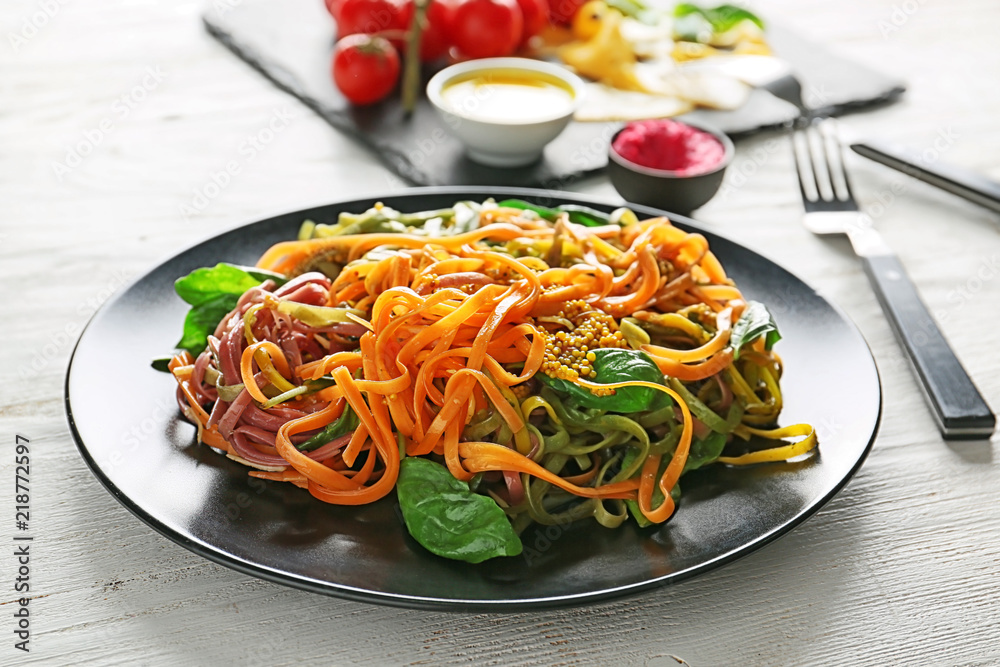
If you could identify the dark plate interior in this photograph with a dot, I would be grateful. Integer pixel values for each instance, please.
(144, 453)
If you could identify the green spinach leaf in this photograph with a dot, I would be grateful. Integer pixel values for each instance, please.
(448, 519)
(225, 278)
(160, 364)
(704, 451)
(616, 365)
(755, 322)
(212, 293)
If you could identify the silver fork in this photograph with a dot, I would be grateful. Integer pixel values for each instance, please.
(958, 407)
(788, 87)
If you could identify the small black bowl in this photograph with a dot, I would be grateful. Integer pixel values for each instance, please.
(668, 190)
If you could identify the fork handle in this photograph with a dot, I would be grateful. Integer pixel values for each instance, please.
(959, 408)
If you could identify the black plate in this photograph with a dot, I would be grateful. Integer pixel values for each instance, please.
(127, 426)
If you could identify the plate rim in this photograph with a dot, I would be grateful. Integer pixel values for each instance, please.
(221, 556)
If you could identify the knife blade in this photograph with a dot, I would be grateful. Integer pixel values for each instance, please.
(958, 181)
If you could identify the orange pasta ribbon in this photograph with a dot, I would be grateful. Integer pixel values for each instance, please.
(438, 351)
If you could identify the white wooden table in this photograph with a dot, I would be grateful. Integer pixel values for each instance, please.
(902, 567)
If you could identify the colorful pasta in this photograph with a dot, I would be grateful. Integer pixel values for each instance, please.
(559, 362)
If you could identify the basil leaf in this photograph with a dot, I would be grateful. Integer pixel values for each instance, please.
(721, 18)
(213, 293)
(202, 284)
(581, 215)
(616, 365)
(346, 423)
(448, 519)
(755, 322)
(726, 17)
(685, 9)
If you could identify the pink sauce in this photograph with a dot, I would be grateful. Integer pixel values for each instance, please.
(669, 145)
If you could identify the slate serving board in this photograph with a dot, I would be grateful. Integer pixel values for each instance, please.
(291, 42)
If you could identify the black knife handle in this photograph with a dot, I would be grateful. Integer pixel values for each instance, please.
(962, 182)
(959, 409)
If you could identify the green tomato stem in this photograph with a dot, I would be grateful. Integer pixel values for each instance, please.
(411, 68)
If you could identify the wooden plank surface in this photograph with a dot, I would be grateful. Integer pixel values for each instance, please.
(901, 568)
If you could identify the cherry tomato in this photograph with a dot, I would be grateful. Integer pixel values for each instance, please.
(436, 38)
(333, 6)
(487, 28)
(365, 68)
(374, 16)
(536, 17)
(562, 11)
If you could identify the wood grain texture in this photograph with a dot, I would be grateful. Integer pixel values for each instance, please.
(901, 568)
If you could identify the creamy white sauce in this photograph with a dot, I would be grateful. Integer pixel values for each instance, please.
(501, 97)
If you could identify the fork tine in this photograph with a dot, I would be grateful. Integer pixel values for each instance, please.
(805, 166)
(821, 167)
(835, 160)
(821, 164)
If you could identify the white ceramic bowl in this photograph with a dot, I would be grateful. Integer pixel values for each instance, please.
(503, 142)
